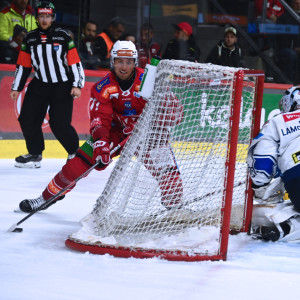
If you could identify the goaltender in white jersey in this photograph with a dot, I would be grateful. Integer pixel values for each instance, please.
(275, 153)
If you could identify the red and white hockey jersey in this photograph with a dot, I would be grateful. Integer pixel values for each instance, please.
(111, 107)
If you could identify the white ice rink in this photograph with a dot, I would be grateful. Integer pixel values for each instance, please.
(35, 264)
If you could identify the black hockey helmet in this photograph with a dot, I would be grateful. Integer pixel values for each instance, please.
(45, 7)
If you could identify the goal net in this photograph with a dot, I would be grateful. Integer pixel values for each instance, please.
(180, 184)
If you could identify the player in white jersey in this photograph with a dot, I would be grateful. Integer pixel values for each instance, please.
(275, 153)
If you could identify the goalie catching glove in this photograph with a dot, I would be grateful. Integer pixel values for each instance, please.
(101, 152)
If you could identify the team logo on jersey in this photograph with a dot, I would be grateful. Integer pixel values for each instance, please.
(43, 38)
(296, 157)
(56, 46)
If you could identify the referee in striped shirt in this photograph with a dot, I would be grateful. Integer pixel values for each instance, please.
(58, 79)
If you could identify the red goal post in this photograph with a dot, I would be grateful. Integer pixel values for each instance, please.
(181, 183)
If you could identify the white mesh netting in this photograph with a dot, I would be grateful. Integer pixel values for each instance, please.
(166, 191)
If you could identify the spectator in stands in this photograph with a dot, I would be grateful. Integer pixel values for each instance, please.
(21, 13)
(88, 58)
(227, 52)
(183, 46)
(147, 47)
(105, 40)
(274, 10)
(129, 37)
(9, 54)
(289, 44)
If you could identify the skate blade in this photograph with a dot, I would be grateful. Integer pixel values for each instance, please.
(29, 165)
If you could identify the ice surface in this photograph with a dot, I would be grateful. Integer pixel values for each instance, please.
(35, 264)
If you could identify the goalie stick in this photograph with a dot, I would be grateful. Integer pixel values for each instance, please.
(212, 193)
(15, 228)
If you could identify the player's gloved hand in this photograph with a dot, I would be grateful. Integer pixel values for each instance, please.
(101, 152)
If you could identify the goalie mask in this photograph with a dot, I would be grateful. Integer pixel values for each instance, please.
(291, 100)
(123, 49)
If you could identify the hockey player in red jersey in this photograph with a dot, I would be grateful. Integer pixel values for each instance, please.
(115, 107)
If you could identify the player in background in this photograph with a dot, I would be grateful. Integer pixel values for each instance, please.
(115, 107)
(275, 153)
(58, 79)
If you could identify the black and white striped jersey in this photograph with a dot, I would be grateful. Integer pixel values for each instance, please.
(53, 56)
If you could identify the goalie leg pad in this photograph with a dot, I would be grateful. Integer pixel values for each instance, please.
(276, 221)
(293, 228)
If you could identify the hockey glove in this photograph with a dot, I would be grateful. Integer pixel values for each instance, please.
(101, 152)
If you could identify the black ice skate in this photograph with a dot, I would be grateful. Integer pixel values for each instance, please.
(29, 205)
(28, 161)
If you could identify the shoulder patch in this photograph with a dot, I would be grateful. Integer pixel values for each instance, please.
(102, 83)
(71, 45)
(23, 47)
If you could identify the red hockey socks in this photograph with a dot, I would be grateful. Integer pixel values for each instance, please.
(70, 171)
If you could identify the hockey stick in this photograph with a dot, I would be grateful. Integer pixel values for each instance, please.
(15, 228)
(213, 193)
